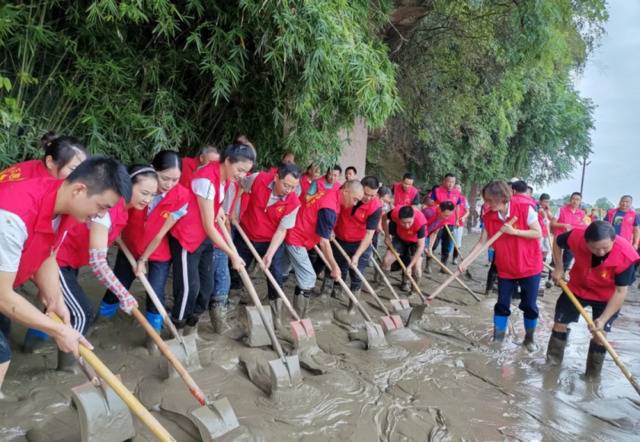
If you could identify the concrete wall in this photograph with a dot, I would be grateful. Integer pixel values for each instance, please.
(354, 152)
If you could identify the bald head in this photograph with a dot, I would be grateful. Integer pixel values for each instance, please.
(350, 193)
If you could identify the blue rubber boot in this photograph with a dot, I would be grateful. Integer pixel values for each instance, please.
(108, 310)
(155, 319)
(33, 340)
(499, 327)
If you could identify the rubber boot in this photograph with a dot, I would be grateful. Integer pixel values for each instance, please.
(108, 310)
(530, 328)
(336, 292)
(556, 346)
(276, 312)
(191, 326)
(301, 303)
(499, 327)
(595, 359)
(155, 319)
(328, 286)
(427, 266)
(67, 362)
(33, 340)
(444, 260)
(218, 316)
(351, 309)
(405, 286)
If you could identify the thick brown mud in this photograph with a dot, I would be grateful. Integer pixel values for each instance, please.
(442, 379)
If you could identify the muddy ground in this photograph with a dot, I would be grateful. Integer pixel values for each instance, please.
(442, 380)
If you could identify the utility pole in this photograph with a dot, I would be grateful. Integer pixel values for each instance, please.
(584, 168)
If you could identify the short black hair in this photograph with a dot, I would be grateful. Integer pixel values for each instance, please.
(405, 212)
(166, 159)
(599, 230)
(101, 173)
(407, 176)
(545, 197)
(519, 186)
(384, 191)
(575, 194)
(449, 175)
(238, 152)
(335, 167)
(351, 168)
(370, 181)
(61, 149)
(447, 205)
(530, 189)
(285, 169)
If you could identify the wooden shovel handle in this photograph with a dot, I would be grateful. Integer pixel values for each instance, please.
(405, 270)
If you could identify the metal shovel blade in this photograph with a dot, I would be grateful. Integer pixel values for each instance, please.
(257, 335)
(215, 419)
(391, 322)
(104, 417)
(187, 354)
(285, 374)
(416, 313)
(375, 335)
(303, 334)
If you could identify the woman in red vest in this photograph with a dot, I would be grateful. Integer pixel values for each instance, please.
(194, 235)
(569, 217)
(518, 257)
(88, 244)
(145, 235)
(626, 221)
(603, 271)
(61, 156)
(35, 216)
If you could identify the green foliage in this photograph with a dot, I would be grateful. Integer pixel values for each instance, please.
(603, 203)
(487, 89)
(132, 77)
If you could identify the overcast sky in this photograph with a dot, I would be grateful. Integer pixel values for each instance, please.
(612, 80)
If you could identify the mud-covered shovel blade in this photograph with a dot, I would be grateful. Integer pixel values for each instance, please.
(215, 419)
(257, 334)
(285, 373)
(416, 313)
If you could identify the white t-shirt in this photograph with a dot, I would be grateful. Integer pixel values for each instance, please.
(532, 216)
(204, 188)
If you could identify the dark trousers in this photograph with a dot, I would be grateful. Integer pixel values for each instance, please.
(567, 257)
(529, 296)
(446, 244)
(363, 262)
(492, 275)
(157, 274)
(277, 265)
(192, 278)
(79, 305)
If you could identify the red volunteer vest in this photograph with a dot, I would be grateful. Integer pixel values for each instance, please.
(143, 226)
(189, 230)
(598, 283)
(433, 220)
(259, 221)
(442, 194)
(523, 198)
(516, 257)
(24, 171)
(352, 225)
(410, 234)
(543, 225)
(321, 184)
(305, 183)
(303, 234)
(403, 198)
(34, 201)
(626, 228)
(189, 167)
(568, 217)
(74, 252)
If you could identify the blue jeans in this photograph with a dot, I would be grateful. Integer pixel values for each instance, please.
(221, 283)
(528, 302)
(157, 274)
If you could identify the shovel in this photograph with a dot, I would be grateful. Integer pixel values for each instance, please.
(627, 374)
(285, 371)
(389, 322)
(374, 334)
(184, 347)
(467, 273)
(469, 259)
(401, 306)
(213, 419)
(448, 270)
(118, 387)
(418, 310)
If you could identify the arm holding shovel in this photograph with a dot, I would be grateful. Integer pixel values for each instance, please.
(207, 218)
(141, 265)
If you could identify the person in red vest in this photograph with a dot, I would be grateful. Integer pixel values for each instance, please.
(625, 221)
(600, 278)
(314, 225)
(190, 165)
(436, 218)
(145, 235)
(406, 233)
(192, 237)
(62, 155)
(271, 211)
(310, 175)
(447, 192)
(354, 232)
(518, 258)
(461, 219)
(88, 244)
(331, 180)
(350, 173)
(520, 191)
(35, 216)
(544, 218)
(404, 192)
(569, 217)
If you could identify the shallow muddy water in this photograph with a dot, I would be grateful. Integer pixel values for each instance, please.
(441, 380)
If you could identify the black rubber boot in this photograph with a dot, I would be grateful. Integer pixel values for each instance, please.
(301, 303)
(191, 326)
(405, 286)
(444, 259)
(352, 307)
(555, 349)
(427, 267)
(67, 362)
(595, 359)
